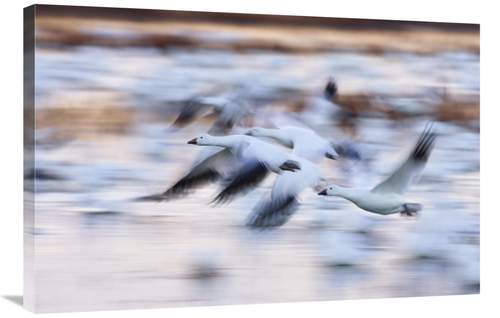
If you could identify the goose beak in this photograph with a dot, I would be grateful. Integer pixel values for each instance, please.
(192, 141)
(323, 192)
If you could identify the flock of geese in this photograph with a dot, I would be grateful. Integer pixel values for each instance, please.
(240, 160)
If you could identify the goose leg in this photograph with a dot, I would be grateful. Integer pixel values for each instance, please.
(411, 209)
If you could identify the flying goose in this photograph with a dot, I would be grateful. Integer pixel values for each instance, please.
(305, 143)
(251, 157)
(386, 198)
(229, 110)
(293, 133)
(282, 202)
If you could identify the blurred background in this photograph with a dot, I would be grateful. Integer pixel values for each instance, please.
(109, 85)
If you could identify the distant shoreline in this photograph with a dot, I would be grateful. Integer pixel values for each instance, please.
(72, 26)
(248, 19)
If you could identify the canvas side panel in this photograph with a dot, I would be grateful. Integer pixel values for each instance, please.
(29, 158)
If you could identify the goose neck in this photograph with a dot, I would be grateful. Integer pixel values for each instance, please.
(351, 194)
(223, 141)
(279, 135)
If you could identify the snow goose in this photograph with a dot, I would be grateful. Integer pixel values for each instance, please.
(386, 198)
(282, 202)
(306, 143)
(292, 132)
(229, 111)
(252, 157)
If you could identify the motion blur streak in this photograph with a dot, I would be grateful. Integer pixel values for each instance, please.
(109, 89)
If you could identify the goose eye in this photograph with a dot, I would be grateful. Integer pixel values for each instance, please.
(201, 137)
(331, 188)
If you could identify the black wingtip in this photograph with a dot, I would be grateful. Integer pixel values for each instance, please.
(330, 156)
(243, 182)
(221, 199)
(152, 198)
(273, 214)
(426, 143)
(290, 165)
(190, 183)
(331, 89)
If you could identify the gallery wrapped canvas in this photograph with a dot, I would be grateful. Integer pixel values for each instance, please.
(182, 158)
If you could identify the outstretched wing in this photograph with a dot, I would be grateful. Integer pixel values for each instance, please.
(282, 203)
(243, 181)
(410, 171)
(197, 108)
(273, 212)
(229, 116)
(331, 90)
(209, 170)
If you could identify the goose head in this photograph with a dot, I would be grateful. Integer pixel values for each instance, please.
(331, 190)
(202, 140)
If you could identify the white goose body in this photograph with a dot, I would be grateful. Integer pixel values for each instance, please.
(386, 198)
(282, 202)
(248, 149)
(243, 163)
(292, 183)
(305, 142)
(373, 202)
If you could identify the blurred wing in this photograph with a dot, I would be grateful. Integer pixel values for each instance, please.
(410, 171)
(204, 153)
(207, 171)
(331, 90)
(280, 119)
(289, 119)
(309, 151)
(221, 127)
(244, 180)
(226, 120)
(311, 145)
(273, 212)
(346, 149)
(191, 112)
(283, 203)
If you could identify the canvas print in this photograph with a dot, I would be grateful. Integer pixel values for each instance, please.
(177, 159)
